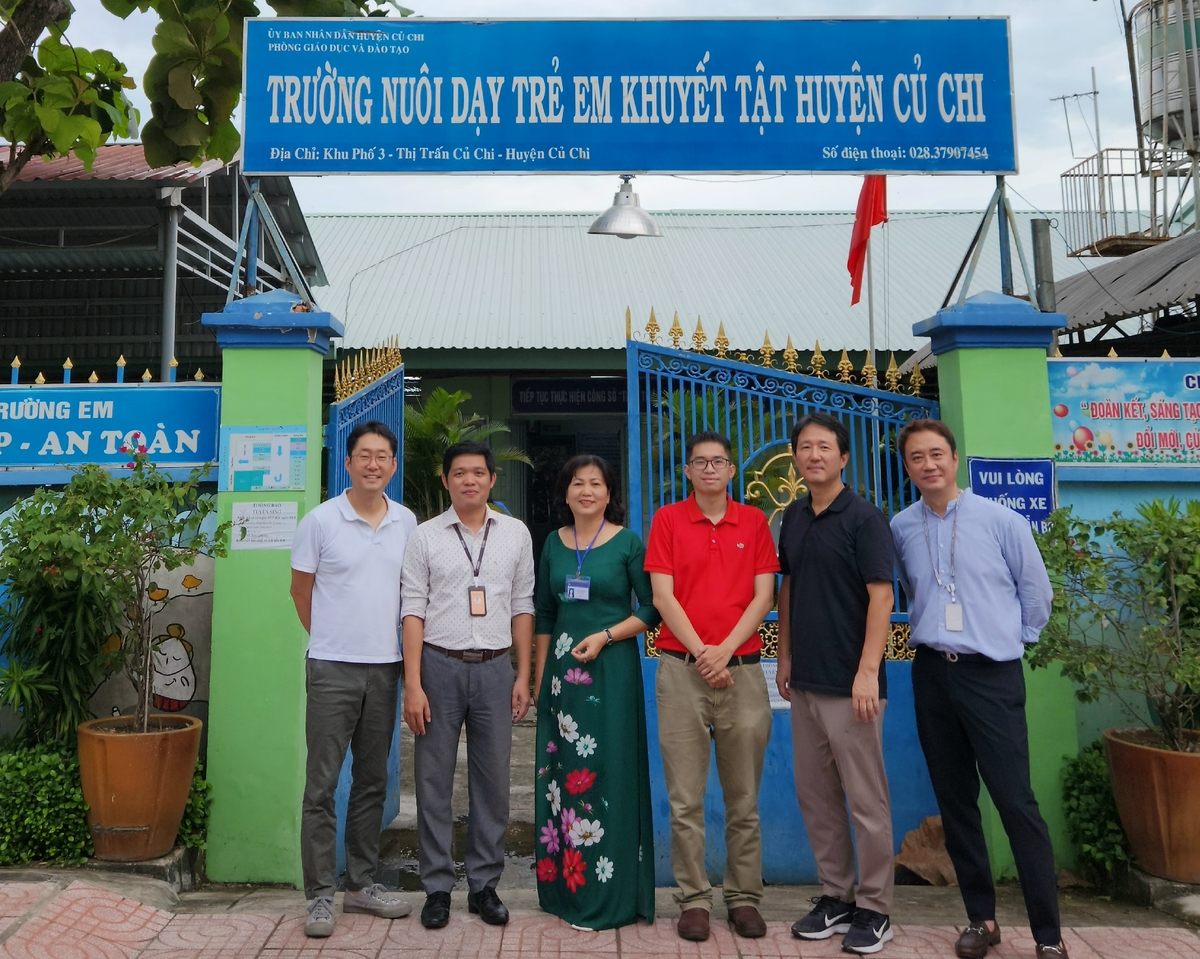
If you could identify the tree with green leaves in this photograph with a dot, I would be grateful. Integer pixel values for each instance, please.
(429, 430)
(58, 99)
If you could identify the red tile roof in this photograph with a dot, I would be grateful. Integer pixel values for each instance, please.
(118, 161)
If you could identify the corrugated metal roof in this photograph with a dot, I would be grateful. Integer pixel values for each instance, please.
(116, 161)
(504, 281)
(1140, 283)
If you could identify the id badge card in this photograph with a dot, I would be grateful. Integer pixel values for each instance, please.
(954, 618)
(477, 599)
(579, 588)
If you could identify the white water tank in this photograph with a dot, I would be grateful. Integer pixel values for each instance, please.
(1161, 30)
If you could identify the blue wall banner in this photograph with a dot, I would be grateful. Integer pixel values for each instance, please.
(381, 95)
(1125, 412)
(1025, 486)
(48, 429)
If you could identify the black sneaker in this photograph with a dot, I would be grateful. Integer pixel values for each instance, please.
(868, 932)
(829, 916)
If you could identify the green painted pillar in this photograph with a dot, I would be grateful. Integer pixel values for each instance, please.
(994, 393)
(256, 753)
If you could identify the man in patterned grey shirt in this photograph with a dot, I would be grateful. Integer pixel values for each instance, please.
(467, 595)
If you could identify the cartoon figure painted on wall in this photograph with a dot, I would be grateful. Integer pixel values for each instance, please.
(174, 675)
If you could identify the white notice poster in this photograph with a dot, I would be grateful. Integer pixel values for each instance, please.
(263, 525)
(770, 667)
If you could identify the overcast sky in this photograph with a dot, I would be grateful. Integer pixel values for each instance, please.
(1055, 43)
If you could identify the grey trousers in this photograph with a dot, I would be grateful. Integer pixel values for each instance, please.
(349, 704)
(480, 695)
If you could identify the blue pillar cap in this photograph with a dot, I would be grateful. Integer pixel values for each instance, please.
(990, 320)
(273, 321)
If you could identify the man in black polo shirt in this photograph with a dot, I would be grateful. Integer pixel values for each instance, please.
(835, 605)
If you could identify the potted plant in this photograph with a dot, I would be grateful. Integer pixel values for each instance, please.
(118, 532)
(1126, 623)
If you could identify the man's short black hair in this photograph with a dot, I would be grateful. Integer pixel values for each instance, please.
(468, 448)
(827, 422)
(697, 438)
(375, 427)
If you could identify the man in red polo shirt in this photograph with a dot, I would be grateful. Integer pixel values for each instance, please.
(712, 564)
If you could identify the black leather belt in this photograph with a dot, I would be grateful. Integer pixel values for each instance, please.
(470, 655)
(748, 660)
(958, 657)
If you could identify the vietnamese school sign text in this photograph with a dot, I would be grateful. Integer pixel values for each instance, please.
(383, 95)
(51, 428)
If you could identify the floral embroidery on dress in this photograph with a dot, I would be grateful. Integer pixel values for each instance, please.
(551, 746)
(562, 646)
(567, 820)
(580, 781)
(549, 837)
(554, 796)
(578, 677)
(547, 870)
(586, 746)
(573, 869)
(555, 686)
(568, 728)
(586, 832)
(604, 869)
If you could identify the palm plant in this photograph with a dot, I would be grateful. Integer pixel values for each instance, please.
(429, 430)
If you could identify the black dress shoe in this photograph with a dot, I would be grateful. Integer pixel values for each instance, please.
(436, 912)
(485, 902)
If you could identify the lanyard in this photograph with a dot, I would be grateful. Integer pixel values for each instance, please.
(476, 565)
(579, 560)
(953, 539)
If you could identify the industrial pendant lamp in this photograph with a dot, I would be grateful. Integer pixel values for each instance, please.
(625, 218)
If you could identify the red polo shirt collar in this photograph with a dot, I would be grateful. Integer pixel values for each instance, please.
(692, 508)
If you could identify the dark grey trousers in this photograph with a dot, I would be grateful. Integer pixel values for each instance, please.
(480, 695)
(349, 704)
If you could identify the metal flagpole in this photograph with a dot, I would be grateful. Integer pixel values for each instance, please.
(870, 307)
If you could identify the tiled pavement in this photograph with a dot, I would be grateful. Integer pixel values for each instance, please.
(43, 920)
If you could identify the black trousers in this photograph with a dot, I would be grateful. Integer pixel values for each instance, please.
(971, 721)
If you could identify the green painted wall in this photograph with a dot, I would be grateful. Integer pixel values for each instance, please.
(997, 402)
(256, 752)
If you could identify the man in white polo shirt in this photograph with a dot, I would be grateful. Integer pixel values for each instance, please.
(346, 563)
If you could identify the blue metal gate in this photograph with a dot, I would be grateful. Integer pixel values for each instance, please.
(368, 386)
(674, 393)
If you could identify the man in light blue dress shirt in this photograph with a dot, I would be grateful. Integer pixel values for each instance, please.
(978, 593)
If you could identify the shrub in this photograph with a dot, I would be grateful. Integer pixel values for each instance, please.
(193, 829)
(43, 817)
(1092, 820)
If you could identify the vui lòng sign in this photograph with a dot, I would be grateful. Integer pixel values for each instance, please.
(380, 95)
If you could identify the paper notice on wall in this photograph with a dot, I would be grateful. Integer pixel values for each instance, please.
(770, 667)
(263, 525)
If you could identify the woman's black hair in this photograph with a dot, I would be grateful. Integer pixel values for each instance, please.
(614, 512)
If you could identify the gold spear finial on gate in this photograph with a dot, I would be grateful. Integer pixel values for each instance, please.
(93, 378)
(791, 359)
(628, 324)
(199, 377)
(915, 380)
(721, 342)
(816, 366)
(1165, 355)
(652, 328)
(40, 379)
(845, 369)
(699, 338)
(675, 332)
(16, 363)
(869, 373)
(146, 376)
(766, 351)
(1112, 353)
(893, 375)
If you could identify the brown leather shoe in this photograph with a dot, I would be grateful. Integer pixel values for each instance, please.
(693, 925)
(747, 923)
(975, 941)
(1052, 952)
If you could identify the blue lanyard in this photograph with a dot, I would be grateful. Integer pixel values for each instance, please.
(579, 560)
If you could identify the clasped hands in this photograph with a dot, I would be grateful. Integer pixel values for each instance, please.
(713, 663)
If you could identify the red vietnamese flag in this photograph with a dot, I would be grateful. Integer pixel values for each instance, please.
(872, 209)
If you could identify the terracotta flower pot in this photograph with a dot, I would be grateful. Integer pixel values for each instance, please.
(1158, 799)
(136, 784)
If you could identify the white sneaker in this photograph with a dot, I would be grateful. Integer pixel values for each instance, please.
(319, 923)
(376, 901)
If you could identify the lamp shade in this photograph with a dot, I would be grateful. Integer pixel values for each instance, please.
(625, 218)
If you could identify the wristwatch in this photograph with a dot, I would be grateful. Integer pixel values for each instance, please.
(608, 633)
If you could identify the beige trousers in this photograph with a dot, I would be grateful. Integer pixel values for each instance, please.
(838, 762)
(692, 717)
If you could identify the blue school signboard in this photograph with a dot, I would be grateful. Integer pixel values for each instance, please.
(379, 95)
(1025, 486)
(47, 430)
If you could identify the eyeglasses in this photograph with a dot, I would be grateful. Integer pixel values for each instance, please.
(701, 464)
(364, 459)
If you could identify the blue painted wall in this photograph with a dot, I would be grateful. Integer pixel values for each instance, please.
(787, 856)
